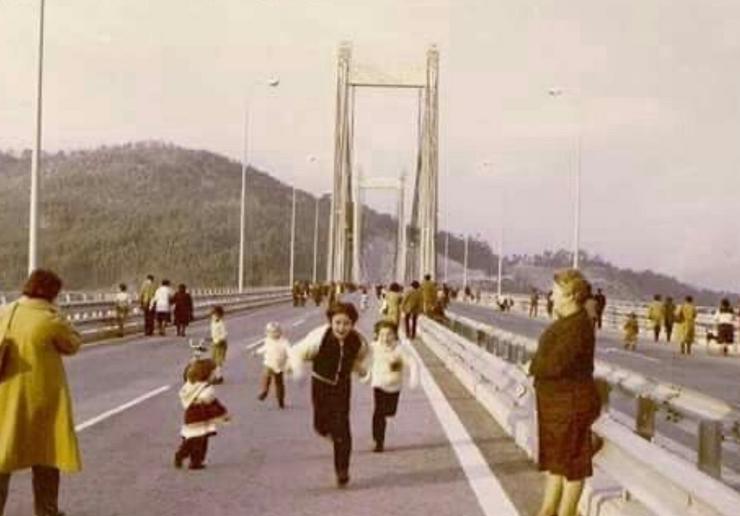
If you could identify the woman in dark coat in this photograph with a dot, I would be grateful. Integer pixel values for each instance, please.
(183, 302)
(567, 399)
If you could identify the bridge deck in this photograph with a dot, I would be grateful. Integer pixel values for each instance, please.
(269, 461)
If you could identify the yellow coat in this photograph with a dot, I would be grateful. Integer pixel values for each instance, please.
(687, 328)
(36, 424)
(429, 295)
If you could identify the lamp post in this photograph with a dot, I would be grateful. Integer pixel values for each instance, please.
(555, 93)
(33, 222)
(292, 242)
(313, 159)
(465, 262)
(273, 83)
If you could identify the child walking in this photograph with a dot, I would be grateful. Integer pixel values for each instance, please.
(275, 352)
(390, 363)
(336, 351)
(631, 330)
(202, 413)
(219, 346)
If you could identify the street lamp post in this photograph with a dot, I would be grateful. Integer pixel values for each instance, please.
(555, 93)
(243, 205)
(315, 240)
(292, 242)
(33, 222)
(465, 261)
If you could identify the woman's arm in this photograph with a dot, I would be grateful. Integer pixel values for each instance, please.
(64, 337)
(306, 350)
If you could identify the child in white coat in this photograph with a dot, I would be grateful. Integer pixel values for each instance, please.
(391, 362)
(275, 351)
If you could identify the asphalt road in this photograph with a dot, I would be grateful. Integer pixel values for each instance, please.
(269, 461)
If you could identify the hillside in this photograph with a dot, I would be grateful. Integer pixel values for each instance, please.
(114, 214)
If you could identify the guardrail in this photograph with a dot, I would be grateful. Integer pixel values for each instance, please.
(489, 363)
(96, 318)
(616, 312)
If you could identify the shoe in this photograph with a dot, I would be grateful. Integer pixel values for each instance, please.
(378, 447)
(178, 462)
(197, 466)
(342, 479)
(262, 396)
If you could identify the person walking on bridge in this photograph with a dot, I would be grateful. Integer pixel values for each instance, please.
(686, 317)
(37, 428)
(724, 318)
(669, 317)
(123, 305)
(534, 301)
(183, 302)
(567, 400)
(146, 294)
(392, 304)
(656, 315)
(600, 307)
(162, 304)
(336, 351)
(428, 294)
(411, 306)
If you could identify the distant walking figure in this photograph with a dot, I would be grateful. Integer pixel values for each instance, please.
(631, 330)
(534, 300)
(123, 306)
(146, 294)
(162, 305)
(600, 307)
(412, 306)
(567, 399)
(686, 317)
(724, 318)
(669, 317)
(656, 315)
(183, 302)
(219, 344)
(275, 352)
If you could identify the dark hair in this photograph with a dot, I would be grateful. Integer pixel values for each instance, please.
(395, 287)
(689, 299)
(415, 284)
(573, 282)
(166, 282)
(725, 304)
(657, 297)
(427, 277)
(200, 370)
(122, 287)
(182, 287)
(150, 277)
(42, 284)
(218, 310)
(347, 309)
(384, 323)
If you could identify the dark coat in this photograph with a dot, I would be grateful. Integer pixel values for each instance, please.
(183, 307)
(567, 399)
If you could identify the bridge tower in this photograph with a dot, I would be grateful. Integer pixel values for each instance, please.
(417, 255)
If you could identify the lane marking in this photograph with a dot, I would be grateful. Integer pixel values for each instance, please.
(491, 496)
(121, 408)
(630, 354)
(252, 345)
(298, 322)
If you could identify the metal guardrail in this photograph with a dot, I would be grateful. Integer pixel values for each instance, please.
(490, 366)
(95, 318)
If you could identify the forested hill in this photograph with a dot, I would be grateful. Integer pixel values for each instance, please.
(117, 213)
(114, 214)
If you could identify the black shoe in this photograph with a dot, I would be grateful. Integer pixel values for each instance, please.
(378, 447)
(178, 462)
(262, 396)
(197, 466)
(342, 479)
(281, 404)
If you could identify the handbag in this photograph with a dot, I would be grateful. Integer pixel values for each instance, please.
(5, 342)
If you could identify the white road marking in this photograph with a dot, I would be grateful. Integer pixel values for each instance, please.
(252, 345)
(298, 322)
(121, 408)
(491, 496)
(630, 353)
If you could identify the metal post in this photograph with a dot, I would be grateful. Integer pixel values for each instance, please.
(243, 210)
(33, 223)
(401, 262)
(292, 243)
(645, 418)
(356, 229)
(447, 254)
(500, 261)
(315, 240)
(465, 260)
(577, 221)
(710, 447)
(330, 258)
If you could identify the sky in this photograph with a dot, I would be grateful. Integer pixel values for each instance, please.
(650, 106)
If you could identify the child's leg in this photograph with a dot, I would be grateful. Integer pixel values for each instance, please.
(198, 453)
(280, 389)
(378, 419)
(183, 452)
(266, 378)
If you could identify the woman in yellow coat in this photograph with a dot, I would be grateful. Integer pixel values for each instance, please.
(36, 424)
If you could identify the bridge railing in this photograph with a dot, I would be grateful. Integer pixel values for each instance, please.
(616, 312)
(95, 314)
(489, 362)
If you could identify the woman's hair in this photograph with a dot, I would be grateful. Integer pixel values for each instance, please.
(166, 282)
(386, 324)
(122, 287)
(573, 282)
(181, 287)
(395, 287)
(200, 370)
(43, 284)
(347, 309)
(218, 310)
(415, 284)
(725, 305)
